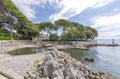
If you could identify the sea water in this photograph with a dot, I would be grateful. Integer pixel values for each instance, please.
(106, 58)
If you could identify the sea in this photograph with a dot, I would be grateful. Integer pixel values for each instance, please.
(106, 58)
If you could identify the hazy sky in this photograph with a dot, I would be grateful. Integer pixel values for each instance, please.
(104, 15)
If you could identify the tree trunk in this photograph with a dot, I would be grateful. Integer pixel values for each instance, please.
(11, 29)
(10, 25)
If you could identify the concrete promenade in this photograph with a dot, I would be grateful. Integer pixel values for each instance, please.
(16, 66)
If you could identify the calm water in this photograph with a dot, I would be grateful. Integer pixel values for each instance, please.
(24, 51)
(107, 59)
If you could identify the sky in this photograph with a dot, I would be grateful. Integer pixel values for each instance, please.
(103, 15)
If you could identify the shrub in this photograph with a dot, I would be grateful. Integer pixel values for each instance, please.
(5, 38)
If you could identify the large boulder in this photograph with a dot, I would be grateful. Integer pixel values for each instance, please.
(89, 58)
(49, 57)
(58, 74)
(71, 73)
(106, 76)
(49, 67)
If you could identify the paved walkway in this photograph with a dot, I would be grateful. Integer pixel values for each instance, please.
(16, 65)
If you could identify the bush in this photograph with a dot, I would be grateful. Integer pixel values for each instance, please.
(9, 38)
(5, 38)
(53, 37)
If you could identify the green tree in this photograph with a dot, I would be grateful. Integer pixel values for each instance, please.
(72, 33)
(64, 37)
(8, 9)
(62, 24)
(28, 30)
(16, 20)
(47, 26)
(53, 37)
(79, 29)
(90, 32)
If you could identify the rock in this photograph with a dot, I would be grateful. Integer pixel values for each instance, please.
(26, 76)
(106, 76)
(44, 78)
(60, 61)
(77, 64)
(49, 67)
(58, 74)
(71, 73)
(89, 58)
(49, 57)
(29, 75)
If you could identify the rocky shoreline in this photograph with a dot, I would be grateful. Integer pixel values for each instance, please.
(59, 65)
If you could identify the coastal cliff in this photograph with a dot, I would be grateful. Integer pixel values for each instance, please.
(59, 65)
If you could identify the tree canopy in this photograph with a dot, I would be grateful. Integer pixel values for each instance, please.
(11, 15)
(70, 30)
(62, 24)
(47, 26)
